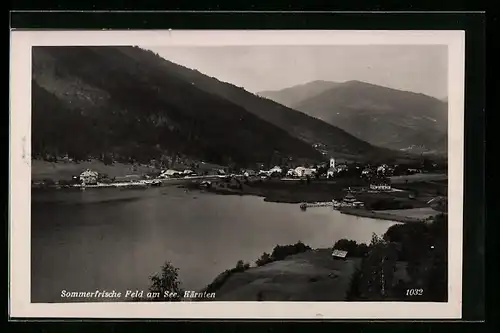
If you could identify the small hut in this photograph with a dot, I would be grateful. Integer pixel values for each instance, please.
(339, 254)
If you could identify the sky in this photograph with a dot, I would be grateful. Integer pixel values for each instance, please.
(417, 68)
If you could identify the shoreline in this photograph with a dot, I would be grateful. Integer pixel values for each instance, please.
(298, 196)
(136, 184)
(379, 215)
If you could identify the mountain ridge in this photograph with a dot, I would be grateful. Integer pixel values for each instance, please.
(375, 114)
(293, 95)
(95, 100)
(338, 142)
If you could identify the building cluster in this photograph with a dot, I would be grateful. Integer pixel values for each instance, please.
(171, 173)
(89, 177)
(201, 169)
(299, 172)
(330, 171)
(335, 169)
(377, 171)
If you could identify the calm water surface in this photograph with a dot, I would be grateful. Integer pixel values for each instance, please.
(109, 239)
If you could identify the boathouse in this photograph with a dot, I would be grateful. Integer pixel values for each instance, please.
(348, 201)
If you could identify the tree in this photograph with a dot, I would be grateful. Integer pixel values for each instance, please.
(376, 240)
(166, 281)
(264, 259)
(352, 247)
(241, 266)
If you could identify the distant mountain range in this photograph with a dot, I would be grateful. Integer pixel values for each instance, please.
(294, 95)
(133, 104)
(379, 115)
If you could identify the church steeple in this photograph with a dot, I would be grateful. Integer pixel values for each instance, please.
(332, 162)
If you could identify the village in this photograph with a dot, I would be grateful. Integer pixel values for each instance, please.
(402, 193)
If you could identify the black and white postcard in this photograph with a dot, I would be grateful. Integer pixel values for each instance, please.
(237, 174)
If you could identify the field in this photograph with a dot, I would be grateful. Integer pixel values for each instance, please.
(418, 177)
(308, 276)
(63, 170)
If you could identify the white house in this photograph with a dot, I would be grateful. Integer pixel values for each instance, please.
(89, 177)
(299, 171)
(339, 254)
(303, 171)
(366, 172)
(341, 167)
(308, 172)
(330, 173)
(249, 173)
(169, 173)
(380, 187)
(382, 168)
(275, 169)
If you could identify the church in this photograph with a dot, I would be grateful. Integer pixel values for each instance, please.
(331, 170)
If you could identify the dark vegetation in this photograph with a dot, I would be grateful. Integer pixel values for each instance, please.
(280, 252)
(166, 281)
(298, 124)
(422, 248)
(116, 103)
(388, 203)
(127, 104)
(352, 247)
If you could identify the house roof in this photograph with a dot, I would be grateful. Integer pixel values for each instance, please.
(171, 171)
(339, 253)
(89, 173)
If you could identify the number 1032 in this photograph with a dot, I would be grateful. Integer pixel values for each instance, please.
(414, 292)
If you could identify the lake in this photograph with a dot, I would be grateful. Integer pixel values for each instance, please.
(109, 239)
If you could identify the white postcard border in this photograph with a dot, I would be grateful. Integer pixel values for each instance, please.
(20, 176)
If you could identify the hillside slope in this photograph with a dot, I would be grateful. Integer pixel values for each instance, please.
(309, 276)
(88, 101)
(382, 116)
(309, 129)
